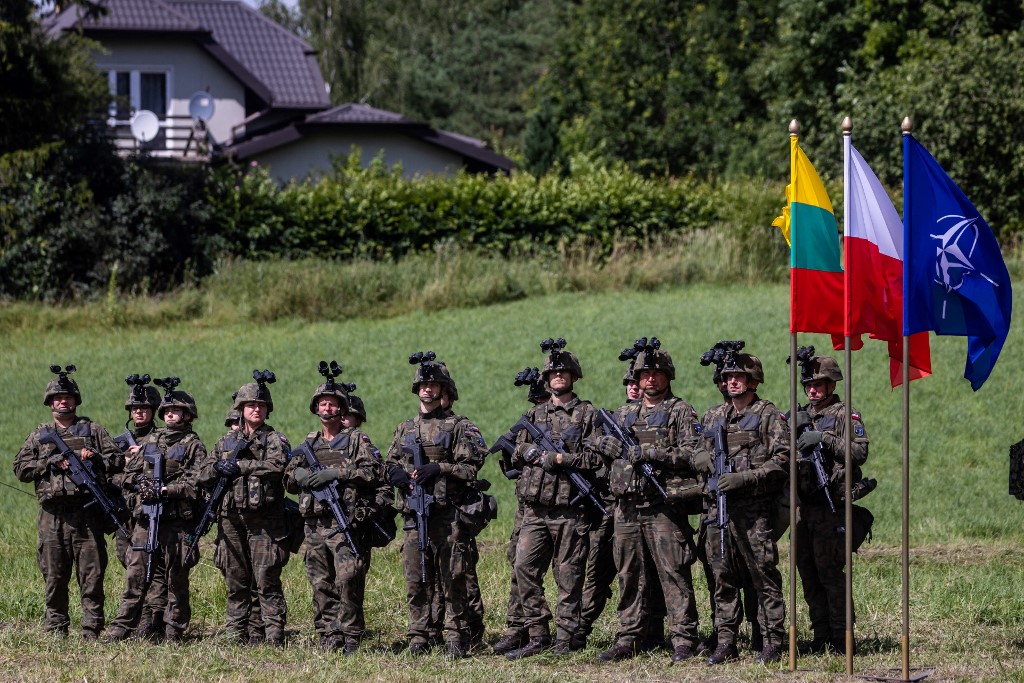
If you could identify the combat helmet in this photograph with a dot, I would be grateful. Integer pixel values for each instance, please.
(650, 356)
(452, 390)
(559, 359)
(173, 398)
(356, 407)
(629, 377)
(428, 369)
(821, 367)
(330, 387)
(62, 384)
(141, 394)
(744, 363)
(232, 418)
(256, 392)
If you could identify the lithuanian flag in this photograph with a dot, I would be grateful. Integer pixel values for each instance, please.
(816, 271)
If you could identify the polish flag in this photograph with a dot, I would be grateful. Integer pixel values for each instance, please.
(873, 268)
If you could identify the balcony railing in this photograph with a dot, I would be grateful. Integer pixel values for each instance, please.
(179, 137)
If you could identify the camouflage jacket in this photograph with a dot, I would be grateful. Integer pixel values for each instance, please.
(182, 451)
(122, 442)
(361, 467)
(668, 435)
(757, 439)
(450, 440)
(830, 419)
(570, 427)
(30, 465)
(259, 488)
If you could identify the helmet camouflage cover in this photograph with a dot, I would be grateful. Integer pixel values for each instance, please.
(744, 363)
(142, 396)
(821, 367)
(329, 388)
(62, 384)
(178, 399)
(356, 407)
(654, 359)
(559, 359)
(232, 418)
(253, 392)
(431, 371)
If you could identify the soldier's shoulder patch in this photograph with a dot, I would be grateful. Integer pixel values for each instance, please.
(858, 429)
(854, 415)
(369, 444)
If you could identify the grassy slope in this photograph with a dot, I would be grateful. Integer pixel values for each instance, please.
(964, 527)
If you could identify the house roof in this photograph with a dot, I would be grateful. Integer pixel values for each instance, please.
(274, 63)
(362, 117)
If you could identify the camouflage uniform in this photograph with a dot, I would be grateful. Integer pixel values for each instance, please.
(757, 439)
(821, 544)
(70, 536)
(450, 441)
(182, 451)
(252, 531)
(600, 572)
(555, 531)
(653, 542)
(337, 576)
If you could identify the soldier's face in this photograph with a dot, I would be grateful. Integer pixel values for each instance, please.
(633, 391)
(141, 415)
(653, 382)
(430, 391)
(819, 390)
(173, 416)
(351, 421)
(738, 383)
(254, 413)
(63, 403)
(560, 381)
(328, 407)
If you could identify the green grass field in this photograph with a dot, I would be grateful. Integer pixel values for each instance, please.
(967, 606)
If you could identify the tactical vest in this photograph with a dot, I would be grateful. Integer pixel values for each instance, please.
(553, 488)
(57, 485)
(357, 497)
(176, 464)
(437, 438)
(746, 440)
(251, 493)
(828, 421)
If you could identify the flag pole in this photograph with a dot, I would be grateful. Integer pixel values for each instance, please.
(908, 128)
(794, 133)
(848, 363)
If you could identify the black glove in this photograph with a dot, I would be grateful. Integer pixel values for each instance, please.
(227, 468)
(400, 479)
(324, 477)
(701, 461)
(735, 481)
(608, 446)
(808, 440)
(425, 473)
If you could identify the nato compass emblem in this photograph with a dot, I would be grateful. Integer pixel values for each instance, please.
(954, 251)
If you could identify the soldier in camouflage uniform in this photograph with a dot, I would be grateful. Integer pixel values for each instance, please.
(821, 544)
(451, 456)
(356, 415)
(555, 532)
(516, 634)
(757, 440)
(70, 536)
(251, 529)
(181, 451)
(350, 462)
(233, 420)
(653, 542)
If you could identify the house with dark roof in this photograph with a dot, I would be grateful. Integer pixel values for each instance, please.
(215, 79)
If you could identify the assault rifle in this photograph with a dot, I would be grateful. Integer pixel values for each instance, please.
(605, 420)
(82, 475)
(328, 495)
(154, 510)
(420, 502)
(817, 460)
(209, 515)
(722, 466)
(506, 445)
(584, 488)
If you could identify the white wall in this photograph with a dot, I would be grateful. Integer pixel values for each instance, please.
(312, 155)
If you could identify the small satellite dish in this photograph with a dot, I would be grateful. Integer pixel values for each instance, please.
(201, 106)
(145, 125)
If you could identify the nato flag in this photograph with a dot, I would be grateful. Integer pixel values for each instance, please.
(954, 278)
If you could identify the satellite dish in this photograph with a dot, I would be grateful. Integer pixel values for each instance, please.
(145, 125)
(201, 106)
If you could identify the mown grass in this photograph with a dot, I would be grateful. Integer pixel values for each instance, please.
(967, 608)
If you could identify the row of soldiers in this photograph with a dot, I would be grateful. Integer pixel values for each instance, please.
(599, 495)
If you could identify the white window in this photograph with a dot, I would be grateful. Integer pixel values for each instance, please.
(136, 90)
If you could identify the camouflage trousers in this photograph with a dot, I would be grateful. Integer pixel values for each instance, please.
(597, 584)
(474, 600)
(447, 560)
(749, 545)
(820, 559)
(338, 579)
(748, 596)
(515, 623)
(556, 537)
(251, 555)
(169, 585)
(71, 538)
(654, 549)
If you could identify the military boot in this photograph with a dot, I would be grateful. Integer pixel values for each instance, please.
(509, 642)
(769, 655)
(115, 635)
(419, 647)
(619, 651)
(838, 644)
(566, 647)
(815, 647)
(681, 653)
(725, 652)
(537, 645)
(456, 650)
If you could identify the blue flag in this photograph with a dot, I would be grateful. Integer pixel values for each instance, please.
(954, 278)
